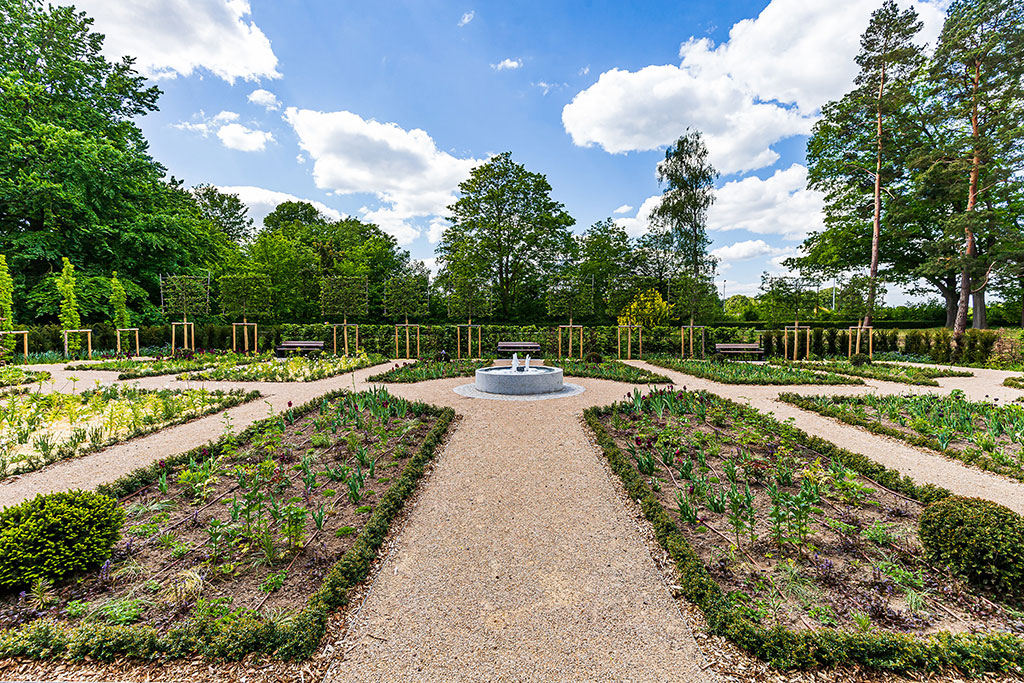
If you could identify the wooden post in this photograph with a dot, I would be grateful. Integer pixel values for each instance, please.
(458, 342)
(396, 341)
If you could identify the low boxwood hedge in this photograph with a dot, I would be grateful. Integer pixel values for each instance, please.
(785, 648)
(233, 636)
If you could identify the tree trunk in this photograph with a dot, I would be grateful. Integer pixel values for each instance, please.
(951, 299)
(980, 312)
(877, 221)
(970, 248)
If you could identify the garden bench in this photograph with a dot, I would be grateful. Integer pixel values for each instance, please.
(314, 348)
(740, 349)
(518, 347)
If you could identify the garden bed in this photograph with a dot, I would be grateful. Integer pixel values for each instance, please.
(38, 429)
(12, 376)
(886, 372)
(739, 372)
(792, 547)
(987, 435)
(613, 370)
(130, 368)
(422, 370)
(1014, 382)
(244, 546)
(295, 369)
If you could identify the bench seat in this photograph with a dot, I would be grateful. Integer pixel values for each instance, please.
(288, 348)
(518, 347)
(740, 349)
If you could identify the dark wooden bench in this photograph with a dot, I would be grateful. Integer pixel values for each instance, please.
(740, 349)
(313, 348)
(518, 347)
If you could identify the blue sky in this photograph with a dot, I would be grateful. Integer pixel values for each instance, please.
(379, 110)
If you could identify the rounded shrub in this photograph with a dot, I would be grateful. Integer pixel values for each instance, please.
(593, 357)
(980, 540)
(56, 535)
(859, 359)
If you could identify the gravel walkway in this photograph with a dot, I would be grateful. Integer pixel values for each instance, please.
(923, 466)
(519, 562)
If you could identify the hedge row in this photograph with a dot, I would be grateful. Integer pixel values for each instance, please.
(241, 633)
(825, 341)
(971, 456)
(788, 649)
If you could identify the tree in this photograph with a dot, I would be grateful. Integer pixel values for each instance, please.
(6, 307)
(781, 299)
(119, 304)
(185, 295)
(606, 257)
(406, 295)
(648, 309)
(887, 60)
(695, 296)
(689, 180)
(225, 211)
(978, 76)
(70, 319)
(569, 297)
(343, 295)
(506, 228)
(244, 294)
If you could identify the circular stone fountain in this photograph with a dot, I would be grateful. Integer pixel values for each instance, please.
(517, 382)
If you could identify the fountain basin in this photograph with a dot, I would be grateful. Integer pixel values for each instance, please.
(539, 379)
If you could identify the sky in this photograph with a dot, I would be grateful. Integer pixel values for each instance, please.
(379, 110)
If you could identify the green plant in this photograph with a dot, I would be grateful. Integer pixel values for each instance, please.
(6, 307)
(345, 531)
(980, 540)
(273, 581)
(119, 303)
(859, 359)
(69, 317)
(122, 610)
(56, 535)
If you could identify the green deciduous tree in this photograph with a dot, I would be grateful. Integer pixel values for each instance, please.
(119, 303)
(70, 318)
(185, 295)
(506, 228)
(244, 295)
(406, 295)
(344, 296)
(225, 211)
(6, 307)
(570, 297)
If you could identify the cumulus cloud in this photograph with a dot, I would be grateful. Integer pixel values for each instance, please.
(262, 201)
(637, 225)
(507, 63)
(265, 99)
(548, 87)
(746, 250)
(466, 18)
(436, 230)
(204, 125)
(403, 169)
(171, 38)
(761, 86)
(625, 208)
(778, 205)
(237, 136)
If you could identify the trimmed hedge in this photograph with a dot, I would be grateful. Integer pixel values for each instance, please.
(56, 535)
(234, 635)
(980, 540)
(972, 456)
(788, 649)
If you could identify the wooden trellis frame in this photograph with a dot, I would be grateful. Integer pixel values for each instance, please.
(344, 335)
(186, 328)
(245, 336)
(796, 340)
(407, 326)
(871, 340)
(570, 327)
(88, 337)
(629, 340)
(128, 329)
(24, 337)
(469, 340)
(682, 339)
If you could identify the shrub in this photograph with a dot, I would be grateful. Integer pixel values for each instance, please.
(53, 536)
(593, 357)
(980, 540)
(718, 358)
(859, 359)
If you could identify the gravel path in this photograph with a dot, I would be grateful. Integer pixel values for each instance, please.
(519, 562)
(921, 465)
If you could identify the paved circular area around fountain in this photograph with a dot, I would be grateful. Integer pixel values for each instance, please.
(470, 391)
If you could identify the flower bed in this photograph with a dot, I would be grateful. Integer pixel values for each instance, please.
(986, 435)
(422, 370)
(802, 553)
(1014, 382)
(295, 369)
(610, 369)
(244, 546)
(12, 375)
(887, 372)
(39, 429)
(733, 372)
(129, 368)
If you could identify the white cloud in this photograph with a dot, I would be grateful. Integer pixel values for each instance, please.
(436, 230)
(466, 18)
(778, 205)
(431, 265)
(171, 38)
(638, 224)
(763, 85)
(262, 201)
(204, 125)
(507, 63)
(584, 71)
(746, 250)
(548, 87)
(265, 99)
(237, 136)
(404, 169)
(625, 208)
